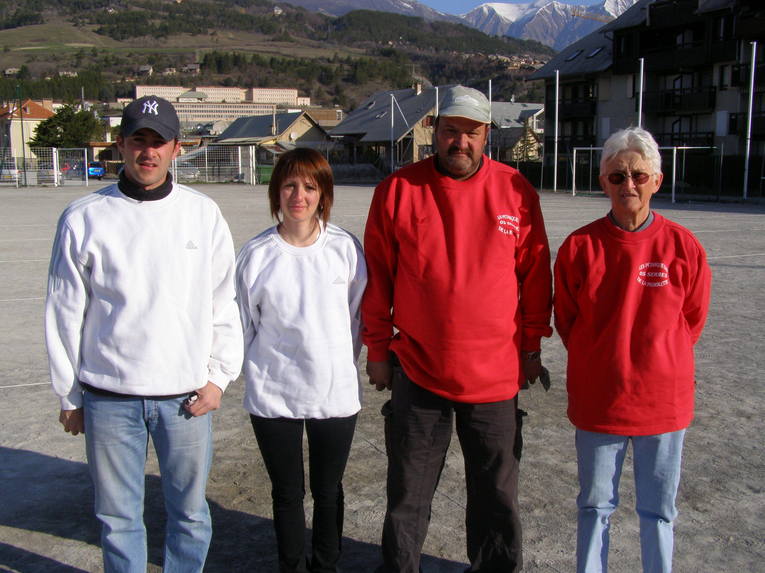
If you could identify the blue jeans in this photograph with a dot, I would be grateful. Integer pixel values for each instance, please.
(656, 461)
(117, 431)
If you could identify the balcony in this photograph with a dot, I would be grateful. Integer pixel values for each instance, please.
(740, 76)
(674, 58)
(566, 143)
(723, 51)
(687, 100)
(750, 28)
(737, 123)
(576, 108)
(670, 14)
(697, 139)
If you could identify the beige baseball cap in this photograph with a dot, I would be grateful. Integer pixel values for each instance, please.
(461, 101)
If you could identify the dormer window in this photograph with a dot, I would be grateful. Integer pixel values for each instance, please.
(595, 52)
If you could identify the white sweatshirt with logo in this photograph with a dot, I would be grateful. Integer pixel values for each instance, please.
(141, 296)
(300, 312)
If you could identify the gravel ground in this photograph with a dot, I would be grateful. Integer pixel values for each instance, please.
(46, 520)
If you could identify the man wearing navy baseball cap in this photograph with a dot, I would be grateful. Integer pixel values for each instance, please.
(143, 336)
(148, 142)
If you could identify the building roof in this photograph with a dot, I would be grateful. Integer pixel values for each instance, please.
(714, 5)
(372, 119)
(255, 128)
(29, 110)
(588, 55)
(193, 94)
(633, 16)
(513, 114)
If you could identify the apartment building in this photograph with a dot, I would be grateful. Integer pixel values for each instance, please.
(696, 68)
(274, 96)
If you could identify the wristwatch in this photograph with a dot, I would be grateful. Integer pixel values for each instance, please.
(536, 355)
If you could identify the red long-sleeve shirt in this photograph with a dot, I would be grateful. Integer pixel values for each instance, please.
(629, 307)
(461, 269)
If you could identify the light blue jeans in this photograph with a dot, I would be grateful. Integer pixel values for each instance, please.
(117, 431)
(656, 461)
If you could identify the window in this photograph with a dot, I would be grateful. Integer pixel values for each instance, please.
(631, 85)
(723, 80)
(574, 56)
(595, 52)
(622, 46)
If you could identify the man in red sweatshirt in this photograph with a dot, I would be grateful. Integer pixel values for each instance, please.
(459, 269)
(631, 297)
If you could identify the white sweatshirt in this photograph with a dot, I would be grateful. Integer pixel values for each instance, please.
(300, 312)
(141, 296)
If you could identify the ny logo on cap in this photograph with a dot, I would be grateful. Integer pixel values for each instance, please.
(150, 107)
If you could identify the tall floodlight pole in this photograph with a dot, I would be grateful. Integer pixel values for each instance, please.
(555, 142)
(640, 94)
(391, 134)
(23, 143)
(749, 119)
(489, 119)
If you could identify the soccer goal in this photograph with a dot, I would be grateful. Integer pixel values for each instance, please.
(589, 158)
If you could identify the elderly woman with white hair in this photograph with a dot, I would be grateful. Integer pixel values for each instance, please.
(631, 296)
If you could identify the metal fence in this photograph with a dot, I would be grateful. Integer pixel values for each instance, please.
(44, 166)
(224, 164)
(210, 164)
(689, 173)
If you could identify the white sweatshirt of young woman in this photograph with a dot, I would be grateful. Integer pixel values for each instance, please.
(141, 296)
(300, 313)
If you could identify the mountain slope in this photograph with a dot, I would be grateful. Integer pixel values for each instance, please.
(335, 61)
(342, 7)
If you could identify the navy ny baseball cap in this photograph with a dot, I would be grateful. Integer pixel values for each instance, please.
(150, 112)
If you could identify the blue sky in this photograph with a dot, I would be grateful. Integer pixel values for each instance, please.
(463, 6)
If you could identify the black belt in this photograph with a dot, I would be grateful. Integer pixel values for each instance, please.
(102, 392)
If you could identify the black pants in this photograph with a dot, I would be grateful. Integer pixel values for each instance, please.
(418, 432)
(281, 444)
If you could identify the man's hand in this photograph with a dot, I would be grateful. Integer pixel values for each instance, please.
(208, 399)
(380, 374)
(531, 362)
(72, 420)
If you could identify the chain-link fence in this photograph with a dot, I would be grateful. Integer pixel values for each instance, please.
(690, 173)
(210, 164)
(44, 166)
(224, 164)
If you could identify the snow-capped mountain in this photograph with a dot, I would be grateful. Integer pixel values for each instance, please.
(556, 24)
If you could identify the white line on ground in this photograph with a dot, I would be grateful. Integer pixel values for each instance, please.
(21, 299)
(736, 256)
(23, 385)
(739, 230)
(20, 240)
(25, 261)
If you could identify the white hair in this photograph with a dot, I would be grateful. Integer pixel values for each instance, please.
(634, 139)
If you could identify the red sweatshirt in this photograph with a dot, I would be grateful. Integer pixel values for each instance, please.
(461, 269)
(629, 307)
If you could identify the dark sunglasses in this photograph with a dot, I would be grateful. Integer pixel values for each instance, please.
(619, 178)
